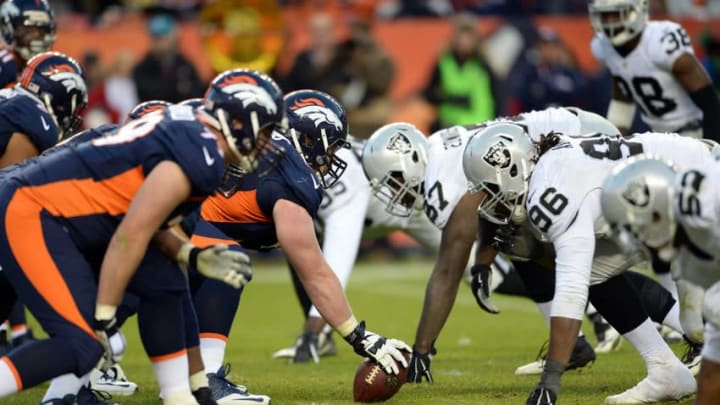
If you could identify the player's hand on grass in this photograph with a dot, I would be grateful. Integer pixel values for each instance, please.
(419, 368)
(388, 353)
(542, 395)
(480, 285)
(219, 263)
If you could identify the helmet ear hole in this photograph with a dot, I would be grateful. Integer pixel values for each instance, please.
(513, 170)
(656, 217)
(415, 157)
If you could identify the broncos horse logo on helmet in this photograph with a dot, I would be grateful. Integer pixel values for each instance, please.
(146, 107)
(57, 81)
(27, 26)
(317, 127)
(246, 106)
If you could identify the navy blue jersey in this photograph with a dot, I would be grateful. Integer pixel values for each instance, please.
(9, 68)
(89, 185)
(247, 215)
(23, 113)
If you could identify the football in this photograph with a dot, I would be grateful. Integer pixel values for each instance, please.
(373, 384)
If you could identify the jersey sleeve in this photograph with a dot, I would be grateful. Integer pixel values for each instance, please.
(24, 115)
(574, 252)
(196, 151)
(8, 68)
(696, 196)
(667, 42)
(445, 183)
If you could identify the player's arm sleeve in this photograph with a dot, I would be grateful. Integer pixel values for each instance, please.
(574, 251)
(270, 191)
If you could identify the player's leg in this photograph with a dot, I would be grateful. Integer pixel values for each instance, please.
(539, 283)
(51, 277)
(709, 377)
(8, 298)
(20, 333)
(617, 300)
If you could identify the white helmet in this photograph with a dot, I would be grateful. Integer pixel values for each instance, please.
(631, 17)
(593, 123)
(637, 202)
(498, 161)
(394, 160)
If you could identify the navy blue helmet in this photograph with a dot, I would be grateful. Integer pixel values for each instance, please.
(317, 126)
(146, 107)
(27, 26)
(57, 80)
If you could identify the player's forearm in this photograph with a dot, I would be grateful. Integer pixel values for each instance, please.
(169, 241)
(122, 258)
(563, 334)
(439, 299)
(326, 293)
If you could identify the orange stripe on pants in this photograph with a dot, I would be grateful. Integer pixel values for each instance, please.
(23, 229)
(210, 335)
(169, 356)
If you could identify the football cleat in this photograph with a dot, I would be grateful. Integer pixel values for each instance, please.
(325, 347)
(225, 392)
(203, 396)
(87, 396)
(112, 381)
(692, 357)
(669, 383)
(582, 355)
(608, 339)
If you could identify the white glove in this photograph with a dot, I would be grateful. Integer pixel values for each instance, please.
(218, 262)
(386, 352)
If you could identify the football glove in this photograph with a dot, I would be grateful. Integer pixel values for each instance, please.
(218, 262)
(542, 395)
(419, 368)
(480, 285)
(518, 242)
(105, 330)
(386, 352)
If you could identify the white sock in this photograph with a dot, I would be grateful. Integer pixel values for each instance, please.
(212, 350)
(544, 308)
(665, 280)
(17, 331)
(10, 382)
(172, 373)
(3, 326)
(649, 344)
(672, 318)
(64, 385)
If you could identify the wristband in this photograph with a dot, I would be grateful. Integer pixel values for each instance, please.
(347, 327)
(105, 312)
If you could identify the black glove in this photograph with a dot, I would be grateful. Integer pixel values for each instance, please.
(480, 285)
(419, 367)
(518, 242)
(105, 329)
(386, 352)
(542, 395)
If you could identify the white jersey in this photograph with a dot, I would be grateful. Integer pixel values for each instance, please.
(645, 75)
(697, 209)
(445, 182)
(564, 203)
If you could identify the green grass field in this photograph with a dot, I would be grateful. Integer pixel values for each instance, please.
(477, 352)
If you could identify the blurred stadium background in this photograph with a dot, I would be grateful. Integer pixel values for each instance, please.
(376, 56)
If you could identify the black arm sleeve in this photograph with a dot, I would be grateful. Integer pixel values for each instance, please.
(708, 102)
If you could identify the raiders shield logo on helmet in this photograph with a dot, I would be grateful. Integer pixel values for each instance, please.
(637, 193)
(498, 155)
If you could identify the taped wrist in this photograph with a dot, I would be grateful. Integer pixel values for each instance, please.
(355, 338)
(477, 268)
(552, 372)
